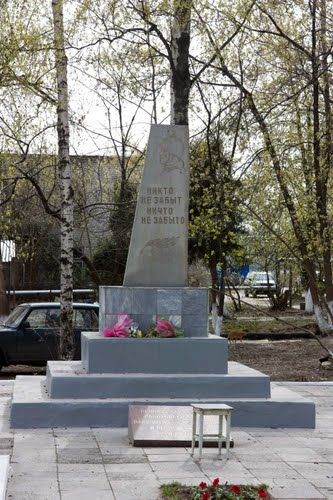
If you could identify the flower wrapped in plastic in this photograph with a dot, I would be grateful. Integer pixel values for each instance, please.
(164, 329)
(121, 328)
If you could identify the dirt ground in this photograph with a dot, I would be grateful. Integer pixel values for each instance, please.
(285, 360)
(294, 360)
(10, 372)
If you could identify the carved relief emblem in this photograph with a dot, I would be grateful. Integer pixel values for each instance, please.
(171, 153)
(160, 243)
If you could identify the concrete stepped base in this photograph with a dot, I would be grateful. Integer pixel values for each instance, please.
(68, 379)
(32, 407)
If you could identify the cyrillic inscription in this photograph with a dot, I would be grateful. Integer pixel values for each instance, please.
(161, 202)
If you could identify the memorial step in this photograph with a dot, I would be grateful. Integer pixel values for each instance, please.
(154, 355)
(68, 379)
(32, 407)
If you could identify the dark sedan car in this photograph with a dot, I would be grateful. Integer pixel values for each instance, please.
(30, 333)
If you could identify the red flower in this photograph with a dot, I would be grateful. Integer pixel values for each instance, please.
(235, 489)
(216, 482)
(205, 496)
(203, 485)
(262, 494)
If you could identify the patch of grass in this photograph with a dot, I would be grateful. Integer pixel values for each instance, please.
(250, 312)
(175, 491)
(270, 325)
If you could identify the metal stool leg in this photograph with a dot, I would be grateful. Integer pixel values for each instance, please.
(194, 430)
(200, 434)
(227, 445)
(220, 436)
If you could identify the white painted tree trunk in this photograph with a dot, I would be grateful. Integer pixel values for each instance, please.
(218, 326)
(330, 306)
(217, 320)
(308, 302)
(66, 347)
(214, 316)
(324, 325)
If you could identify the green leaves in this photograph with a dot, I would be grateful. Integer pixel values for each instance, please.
(215, 221)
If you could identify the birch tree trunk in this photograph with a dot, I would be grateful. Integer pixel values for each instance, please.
(180, 73)
(66, 344)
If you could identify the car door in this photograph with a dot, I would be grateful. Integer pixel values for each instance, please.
(38, 336)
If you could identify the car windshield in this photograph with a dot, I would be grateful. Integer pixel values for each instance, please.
(263, 277)
(16, 316)
(260, 278)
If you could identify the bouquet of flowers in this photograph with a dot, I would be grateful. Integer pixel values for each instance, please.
(125, 327)
(121, 329)
(164, 329)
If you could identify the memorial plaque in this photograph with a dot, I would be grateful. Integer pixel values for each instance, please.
(158, 249)
(155, 425)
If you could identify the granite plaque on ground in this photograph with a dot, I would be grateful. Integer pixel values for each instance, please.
(159, 426)
(158, 249)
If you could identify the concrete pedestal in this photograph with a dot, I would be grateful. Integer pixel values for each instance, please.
(175, 355)
(117, 373)
(185, 307)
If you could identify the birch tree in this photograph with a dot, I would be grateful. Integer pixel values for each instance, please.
(66, 347)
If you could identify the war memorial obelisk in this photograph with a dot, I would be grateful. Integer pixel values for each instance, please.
(155, 282)
(158, 249)
(116, 373)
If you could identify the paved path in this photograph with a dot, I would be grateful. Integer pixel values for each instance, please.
(99, 464)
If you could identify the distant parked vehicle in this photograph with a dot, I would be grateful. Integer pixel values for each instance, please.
(259, 283)
(30, 334)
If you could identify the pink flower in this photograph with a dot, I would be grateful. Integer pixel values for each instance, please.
(116, 331)
(121, 328)
(203, 485)
(205, 496)
(164, 328)
(216, 482)
(235, 489)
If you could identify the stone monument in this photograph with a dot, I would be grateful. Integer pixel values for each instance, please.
(117, 373)
(155, 282)
(158, 250)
